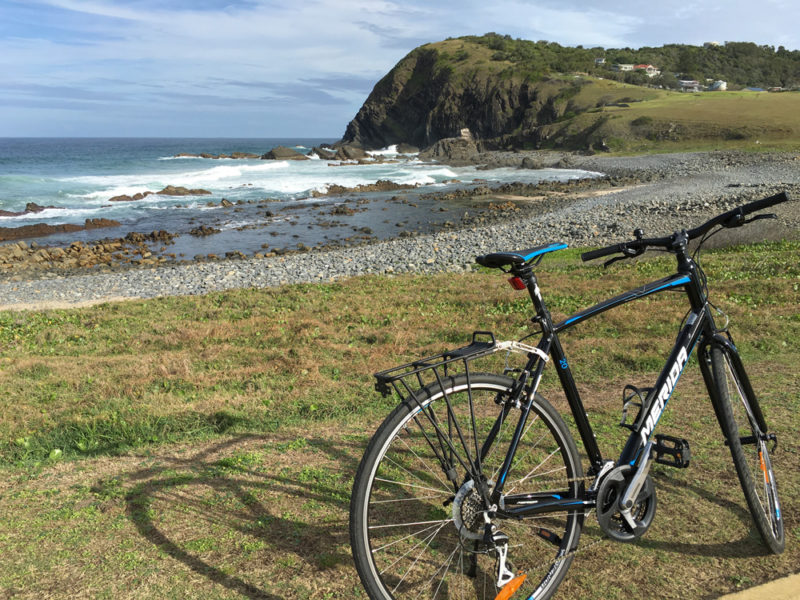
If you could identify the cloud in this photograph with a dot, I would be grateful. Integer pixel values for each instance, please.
(261, 57)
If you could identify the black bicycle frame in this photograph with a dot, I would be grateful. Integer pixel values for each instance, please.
(699, 327)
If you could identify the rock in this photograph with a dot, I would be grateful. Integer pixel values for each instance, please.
(30, 207)
(324, 153)
(451, 150)
(350, 152)
(532, 162)
(42, 229)
(284, 153)
(382, 185)
(236, 155)
(126, 198)
(404, 148)
(204, 230)
(172, 190)
(567, 162)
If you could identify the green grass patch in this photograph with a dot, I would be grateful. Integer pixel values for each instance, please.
(205, 446)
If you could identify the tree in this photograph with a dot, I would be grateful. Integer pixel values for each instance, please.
(667, 81)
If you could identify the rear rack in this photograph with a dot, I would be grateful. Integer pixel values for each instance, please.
(438, 366)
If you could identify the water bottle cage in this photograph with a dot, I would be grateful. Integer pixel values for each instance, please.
(632, 396)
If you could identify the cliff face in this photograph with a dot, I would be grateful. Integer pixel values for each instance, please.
(538, 95)
(429, 96)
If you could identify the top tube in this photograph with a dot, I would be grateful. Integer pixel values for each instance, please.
(667, 283)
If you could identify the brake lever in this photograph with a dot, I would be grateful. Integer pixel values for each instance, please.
(611, 261)
(758, 217)
(626, 253)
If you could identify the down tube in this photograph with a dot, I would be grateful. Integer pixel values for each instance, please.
(661, 392)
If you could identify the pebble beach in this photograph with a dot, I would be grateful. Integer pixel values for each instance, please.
(667, 192)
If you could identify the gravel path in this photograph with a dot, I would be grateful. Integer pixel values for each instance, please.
(683, 191)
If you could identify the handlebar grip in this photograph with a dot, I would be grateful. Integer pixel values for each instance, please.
(764, 203)
(592, 254)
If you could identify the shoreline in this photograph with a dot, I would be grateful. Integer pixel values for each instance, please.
(673, 191)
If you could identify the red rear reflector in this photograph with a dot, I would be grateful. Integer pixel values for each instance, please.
(516, 283)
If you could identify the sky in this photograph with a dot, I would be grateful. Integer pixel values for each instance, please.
(269, 68)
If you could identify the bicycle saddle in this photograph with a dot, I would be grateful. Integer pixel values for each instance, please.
(498, 260)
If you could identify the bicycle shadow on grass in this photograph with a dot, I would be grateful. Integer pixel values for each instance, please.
(743, 547)
(241, 524)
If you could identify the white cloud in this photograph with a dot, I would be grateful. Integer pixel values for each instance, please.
(152, 53)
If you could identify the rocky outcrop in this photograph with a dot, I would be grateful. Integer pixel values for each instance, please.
(127, 198)
(407, 149)
(426, 98)
(284, 153)
(170, 190)
(203, 231)
(133, 249)
(343, 152)
(30, 207)
(42, 229)
(454, 151)
(382, 185)
(441, 88)
(235, 155)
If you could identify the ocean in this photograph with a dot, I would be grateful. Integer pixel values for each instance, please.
(270, 203)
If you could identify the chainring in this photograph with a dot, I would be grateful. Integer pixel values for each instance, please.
(609, 512)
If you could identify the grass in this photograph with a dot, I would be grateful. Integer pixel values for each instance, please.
(672, 121)
(205, 446)
(586, 111)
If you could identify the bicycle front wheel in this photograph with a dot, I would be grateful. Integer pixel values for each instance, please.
(417, 518)
(748, 444)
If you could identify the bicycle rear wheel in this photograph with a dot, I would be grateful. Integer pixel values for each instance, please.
(416, 517)
(749, 449)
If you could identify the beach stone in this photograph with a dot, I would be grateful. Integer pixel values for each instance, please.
(657, 193)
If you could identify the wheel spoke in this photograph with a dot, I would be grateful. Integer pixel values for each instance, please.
(748, 448)
(419, 532)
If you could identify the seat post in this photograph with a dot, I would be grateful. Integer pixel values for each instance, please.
(526, 274)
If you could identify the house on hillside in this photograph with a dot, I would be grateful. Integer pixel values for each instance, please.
(689, 85)
(619, 67)
(649, 69)
(599, 61)
(718, 86)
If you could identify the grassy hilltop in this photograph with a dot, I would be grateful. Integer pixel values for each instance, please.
(513, 93)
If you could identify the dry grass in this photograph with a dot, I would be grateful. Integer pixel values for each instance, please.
(265, 403)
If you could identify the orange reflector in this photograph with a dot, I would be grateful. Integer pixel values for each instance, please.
(511, 587)
(763, 466)
(516, 283)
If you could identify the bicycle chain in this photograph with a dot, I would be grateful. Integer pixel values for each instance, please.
(585, 478)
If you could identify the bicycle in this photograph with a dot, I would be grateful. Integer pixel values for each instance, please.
(473, 485)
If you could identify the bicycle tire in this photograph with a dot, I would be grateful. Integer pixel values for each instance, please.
(751, 459)
(413, 537)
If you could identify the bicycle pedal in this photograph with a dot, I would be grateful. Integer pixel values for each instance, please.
(672, 451)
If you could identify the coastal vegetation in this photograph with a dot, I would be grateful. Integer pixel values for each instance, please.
(540, 95)
(206, 445)
(740, 64)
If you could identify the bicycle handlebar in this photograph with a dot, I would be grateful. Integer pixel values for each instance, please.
(732, 218)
